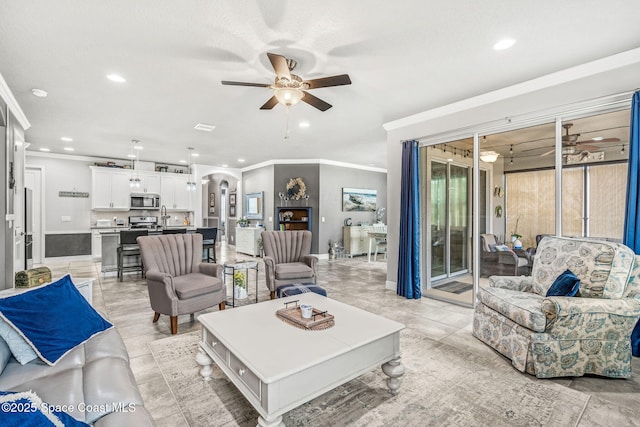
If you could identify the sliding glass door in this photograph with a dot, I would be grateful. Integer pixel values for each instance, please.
(449, 220)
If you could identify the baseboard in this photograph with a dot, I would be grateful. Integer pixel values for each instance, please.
(392, 286)
(54, 260)
(322, 256)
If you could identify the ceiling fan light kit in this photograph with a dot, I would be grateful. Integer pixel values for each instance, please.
(289, 89)
(288, 96)
(489, 156)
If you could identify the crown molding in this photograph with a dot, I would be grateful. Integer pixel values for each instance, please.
(312, 161)
(12, 104)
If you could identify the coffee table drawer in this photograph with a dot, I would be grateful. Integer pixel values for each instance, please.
(217, 346)
(245, 375)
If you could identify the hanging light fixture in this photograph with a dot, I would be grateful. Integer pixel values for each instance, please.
(191, 185)
(489, 156)
(134, 181)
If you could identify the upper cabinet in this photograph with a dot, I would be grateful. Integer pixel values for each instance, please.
(174, 194)
(149, 182)
(110, 189)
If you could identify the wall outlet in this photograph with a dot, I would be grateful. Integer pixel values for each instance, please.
(270, 219)
(65, 218)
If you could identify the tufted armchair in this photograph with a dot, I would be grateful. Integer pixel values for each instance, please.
(178, 282)
(565, 336)
(287, 259)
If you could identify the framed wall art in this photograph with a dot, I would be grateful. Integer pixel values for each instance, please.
(358, 199)
(232, 199)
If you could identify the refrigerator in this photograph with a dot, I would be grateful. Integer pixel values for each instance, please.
(28, 228)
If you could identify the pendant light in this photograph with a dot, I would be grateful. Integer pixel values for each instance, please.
(191, 185)
(134, 181)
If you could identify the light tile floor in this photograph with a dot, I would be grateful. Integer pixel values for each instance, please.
(356, 282)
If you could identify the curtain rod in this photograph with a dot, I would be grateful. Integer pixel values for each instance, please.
(537, 116)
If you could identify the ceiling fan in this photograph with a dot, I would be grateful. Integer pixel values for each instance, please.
(571, 145)
(289, 89)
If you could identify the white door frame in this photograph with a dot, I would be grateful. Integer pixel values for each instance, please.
(38, 202)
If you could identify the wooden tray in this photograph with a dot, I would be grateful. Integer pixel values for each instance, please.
(293, 316)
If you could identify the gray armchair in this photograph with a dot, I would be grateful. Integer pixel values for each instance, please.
(287, 259)
(178, 281)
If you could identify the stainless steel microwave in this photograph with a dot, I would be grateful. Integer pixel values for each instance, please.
(146, 201)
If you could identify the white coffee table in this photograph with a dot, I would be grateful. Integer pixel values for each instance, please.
(278, 367)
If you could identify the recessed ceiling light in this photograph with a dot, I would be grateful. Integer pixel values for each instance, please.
(45, 149)
(504, 44)
(116, 78)
(598, 138)
(225, 166)
(194, 154)
(138, 147)
(204, 127)
(183, 161)
(40, 93)
(66, 139)
(131, 156)
(241, 160)
(69, 149)
(303, 124)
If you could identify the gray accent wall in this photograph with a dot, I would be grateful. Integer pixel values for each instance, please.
(73, 244)
(310, 174)
(257, 180)
(324, 185)
(332, 180)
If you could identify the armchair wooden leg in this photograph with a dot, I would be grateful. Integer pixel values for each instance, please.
(174, 325)
(272, 294)
(156, 316)
(222, 305)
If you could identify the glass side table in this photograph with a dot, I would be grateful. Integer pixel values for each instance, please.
(236, 279)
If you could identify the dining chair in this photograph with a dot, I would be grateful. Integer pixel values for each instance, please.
(209, 237)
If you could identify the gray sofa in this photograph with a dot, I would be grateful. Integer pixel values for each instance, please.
(94, 380)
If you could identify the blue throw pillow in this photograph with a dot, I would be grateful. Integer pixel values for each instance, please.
(26, 409)
(53, 318)
(566, 285)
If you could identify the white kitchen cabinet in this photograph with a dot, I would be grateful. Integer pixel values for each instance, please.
(110, 189)
(173, 192)
(247, 240)
(149, 183)
(356, 239)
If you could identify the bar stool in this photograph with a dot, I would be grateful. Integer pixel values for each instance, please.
(127, 249)
(174, 230)
(209, 237)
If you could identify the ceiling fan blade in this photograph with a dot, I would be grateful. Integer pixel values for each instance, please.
(548, 152)
(272, 102)
(587, 147)
(225, 82)
(605, 140)
(315, 102)
(342, 79)
(280, 66)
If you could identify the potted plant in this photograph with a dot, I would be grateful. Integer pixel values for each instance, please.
(239, 285)
(243, 222)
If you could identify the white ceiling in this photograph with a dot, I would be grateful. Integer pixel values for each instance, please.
(402, 57)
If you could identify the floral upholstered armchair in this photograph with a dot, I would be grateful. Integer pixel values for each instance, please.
(560, 336)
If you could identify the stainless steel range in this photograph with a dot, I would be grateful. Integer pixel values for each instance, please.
(149, 222)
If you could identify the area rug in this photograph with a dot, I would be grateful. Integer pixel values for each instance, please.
(442, 386)
(454, 287)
